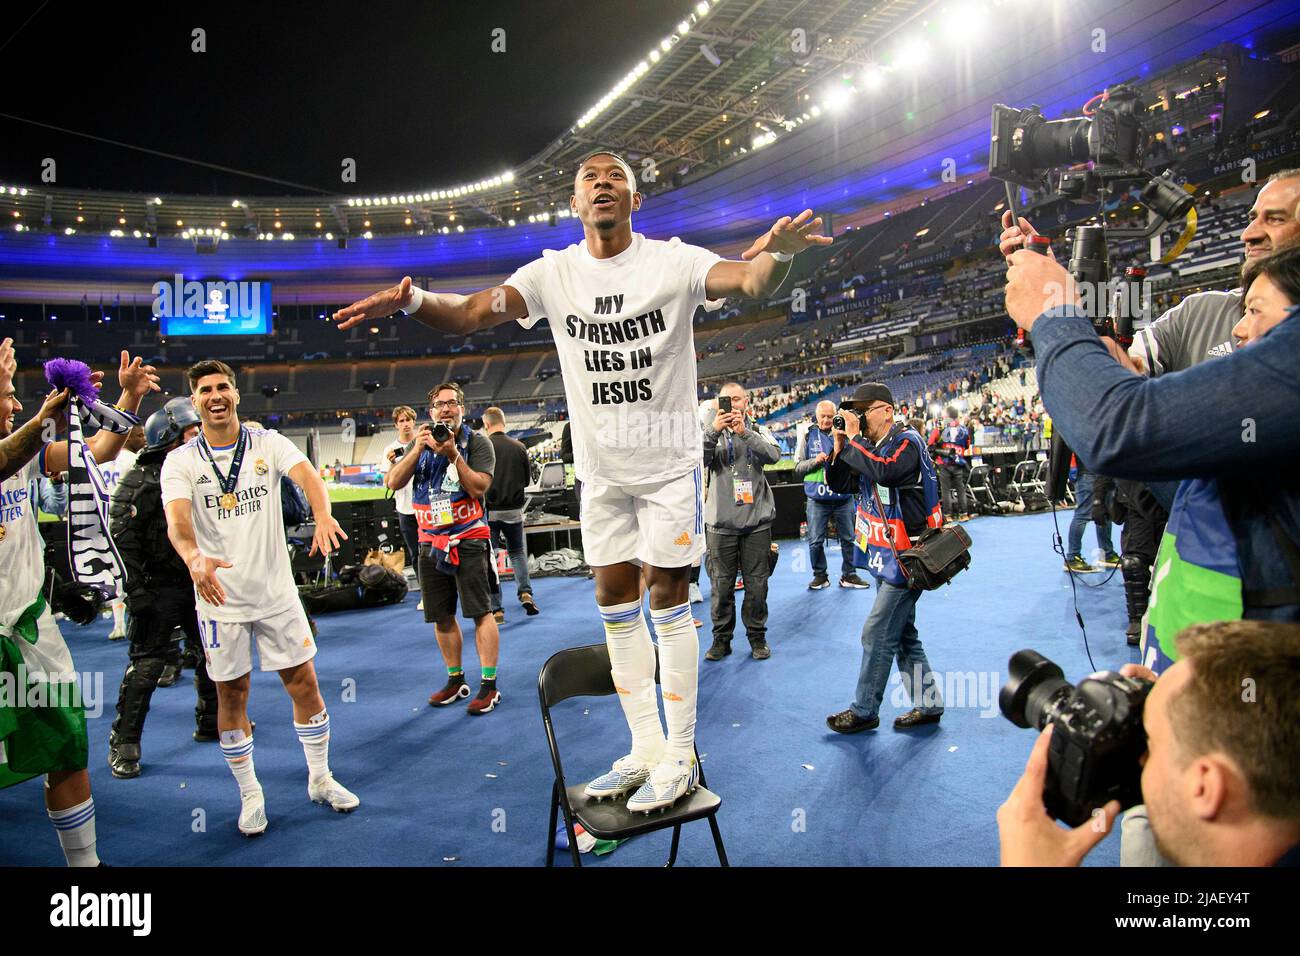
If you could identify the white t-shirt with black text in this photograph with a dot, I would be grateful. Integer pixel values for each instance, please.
(627, 353)
(251, 535)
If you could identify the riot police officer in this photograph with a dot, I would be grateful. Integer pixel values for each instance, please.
(159, 591)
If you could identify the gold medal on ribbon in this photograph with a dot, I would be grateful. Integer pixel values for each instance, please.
(228, 501)
(3, 532)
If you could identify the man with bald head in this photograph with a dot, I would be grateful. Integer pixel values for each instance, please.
(813, 451)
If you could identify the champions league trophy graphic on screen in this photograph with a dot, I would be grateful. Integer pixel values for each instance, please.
(215, 311)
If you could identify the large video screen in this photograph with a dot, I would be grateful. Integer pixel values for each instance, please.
(212, 307)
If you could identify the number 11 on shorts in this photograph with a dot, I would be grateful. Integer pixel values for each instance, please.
(211, 628)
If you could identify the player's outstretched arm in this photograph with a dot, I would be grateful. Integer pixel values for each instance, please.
(203, 569)
(761, 274)
(328, 530)
(446, 312)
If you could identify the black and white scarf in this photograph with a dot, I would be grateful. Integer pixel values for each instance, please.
(91, 553)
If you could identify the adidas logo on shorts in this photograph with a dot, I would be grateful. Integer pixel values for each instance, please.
(683, 540)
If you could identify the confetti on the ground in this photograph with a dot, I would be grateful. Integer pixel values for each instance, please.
(735, 725)
(502, 763)
(182, 786)
(450, 859)
(490, 776)
(809, 766)
(952, 750)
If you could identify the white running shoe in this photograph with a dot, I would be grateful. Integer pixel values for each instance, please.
(667, 784)
(252, 813)
(328, 790)
(696, 596)
(625, 777)
(117, 634)
(420, 606)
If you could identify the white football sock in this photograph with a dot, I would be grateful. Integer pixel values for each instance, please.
(237, 748)
(632, 665)
(315, 738)
(679, 666)
(76, 829)
(119, 615)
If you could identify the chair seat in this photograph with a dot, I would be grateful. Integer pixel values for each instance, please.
(611, 819)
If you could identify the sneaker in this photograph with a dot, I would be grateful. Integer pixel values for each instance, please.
(420, 606)
(1112, 560)
(697, 622)
(328, 790)
(123, 758)
(718, 650)
(170, 674)
(1133, 633)
(740, 584)
(488, 697)
(117, 634)
(627, 775)
(252, 813)
(530, 606)
(853, 581)
(1076, 565)
(499, 616)
(667, 784)
(818, 582)
(696, 596)
(847, 722)
(759, 650)
(455, 690)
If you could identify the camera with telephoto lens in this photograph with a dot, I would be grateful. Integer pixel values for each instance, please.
(440, 432)
(1025, 144)
(1097, 734)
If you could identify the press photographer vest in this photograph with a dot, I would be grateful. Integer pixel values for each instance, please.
(814, 483)
(869, 533)
(450, 512)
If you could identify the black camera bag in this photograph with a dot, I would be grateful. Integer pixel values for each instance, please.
(938, 556)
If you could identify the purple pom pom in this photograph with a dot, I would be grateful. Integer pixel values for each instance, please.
(69, 373)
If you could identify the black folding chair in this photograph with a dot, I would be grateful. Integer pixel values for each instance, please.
(585, 672)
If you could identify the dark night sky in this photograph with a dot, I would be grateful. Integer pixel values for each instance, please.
(412, 91)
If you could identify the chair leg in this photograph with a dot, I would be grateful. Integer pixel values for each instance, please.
(717, 841)
(672, 854)
(550, 831)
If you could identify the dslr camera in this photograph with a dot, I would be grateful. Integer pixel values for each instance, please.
(837, 422)
(1097, 735)
(438, 430)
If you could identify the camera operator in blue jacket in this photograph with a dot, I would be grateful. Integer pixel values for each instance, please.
(887, 467)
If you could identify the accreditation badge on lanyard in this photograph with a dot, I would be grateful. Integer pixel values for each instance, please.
(744, 492)
(440, 510)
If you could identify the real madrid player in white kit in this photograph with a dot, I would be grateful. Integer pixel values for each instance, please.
(620, 308)
(44, 731)
(222, 495)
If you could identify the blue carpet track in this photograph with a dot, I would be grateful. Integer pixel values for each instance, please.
(441, 788)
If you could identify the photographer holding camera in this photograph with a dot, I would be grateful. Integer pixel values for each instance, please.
(1220, 773)
(887, 466)
(451, 467)
(738, 515)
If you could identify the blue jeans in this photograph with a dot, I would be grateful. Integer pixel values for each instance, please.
(510, 535)
(1082, 515)
(819, 515)
(889, 633)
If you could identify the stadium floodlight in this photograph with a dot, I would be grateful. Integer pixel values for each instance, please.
(665, 44)
(873, 78)
(964, 24)
(702, 8)
(654, 56)
(912, 54)
(836, 98)
(683, 28)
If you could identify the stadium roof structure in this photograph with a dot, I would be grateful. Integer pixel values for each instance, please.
(733, 76)
(828, 104)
